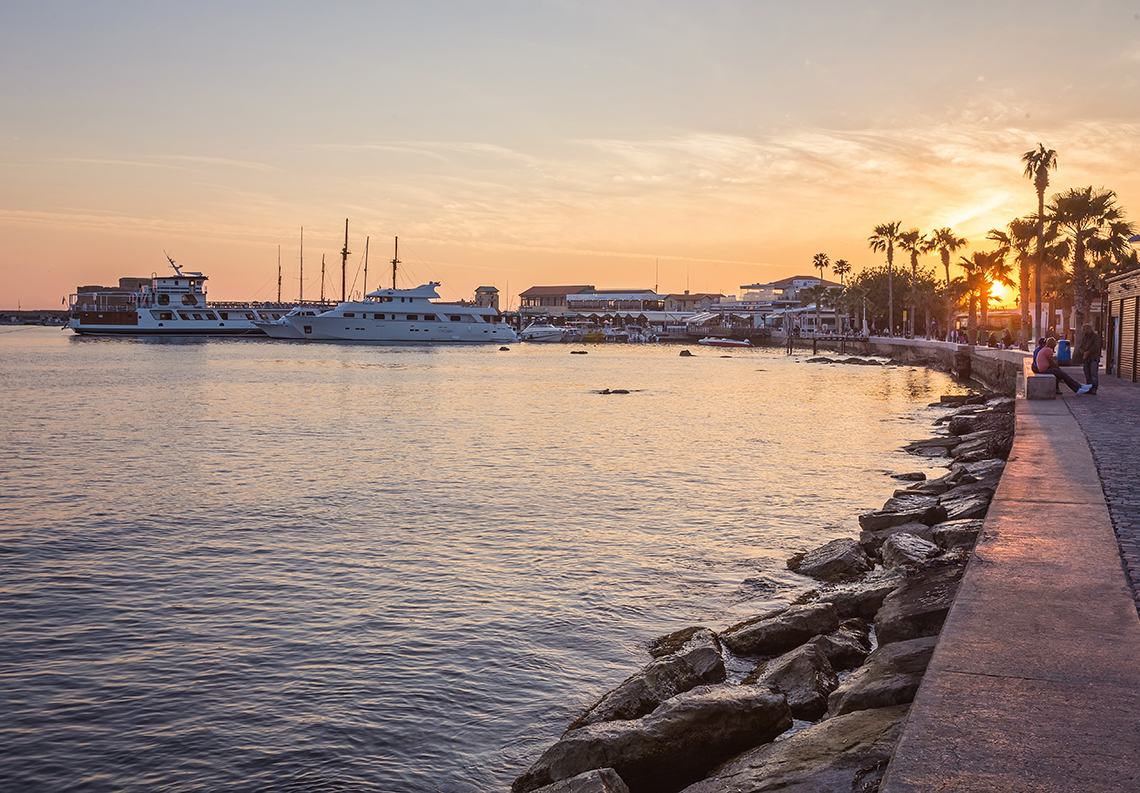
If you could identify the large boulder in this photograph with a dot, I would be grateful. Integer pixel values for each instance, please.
(673, 746)
(803, 675)
(602, 780)
(919, 605)
(860, 599)
(890, 676)
(931, 487)
(914, 508)
(941, 442)
(872, 541)
(779, 631)
(957, 533)
(967, 502)
(965, 473)
(697, 662)
(908, 550)
(847, 647)
(838, 560)
(847, 753)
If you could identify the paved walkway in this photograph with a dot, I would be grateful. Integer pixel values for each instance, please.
(1035, 683)
(1111, 423)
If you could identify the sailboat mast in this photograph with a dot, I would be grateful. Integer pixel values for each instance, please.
(395, 261)
(323, 278)
(366, 265)
(344, 263)
(278, 273)
(301, 299)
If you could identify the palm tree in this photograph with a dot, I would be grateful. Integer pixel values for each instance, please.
(1017, 240)
(820, 261)
(884, 238)
(973, 283)
(914, 242)
(1086, 218)
(946, 242)
(995, 270)
(841, 267)
(1037, 164)
(816, 293)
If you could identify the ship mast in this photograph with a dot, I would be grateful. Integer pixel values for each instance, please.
(278, 273)
(301, 299)
(323, 278)
(344, 263)
(366, 265)
(395, 261)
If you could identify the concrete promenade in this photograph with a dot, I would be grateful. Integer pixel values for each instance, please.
(1035, 682)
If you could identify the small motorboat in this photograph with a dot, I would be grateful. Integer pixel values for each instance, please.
(541, 332)
(713, 341)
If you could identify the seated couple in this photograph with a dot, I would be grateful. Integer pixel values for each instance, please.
(1045, 362)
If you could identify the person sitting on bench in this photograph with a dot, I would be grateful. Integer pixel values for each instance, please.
(1047, 364)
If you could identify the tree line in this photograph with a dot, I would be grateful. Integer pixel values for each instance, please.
(1062, 251)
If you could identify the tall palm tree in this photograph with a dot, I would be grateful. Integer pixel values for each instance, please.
(1017, 240)
(946, 242)
(914, 242)
(1037, 164)
(884, 238)
(841, 267)
(1086, 218)
(820, 261)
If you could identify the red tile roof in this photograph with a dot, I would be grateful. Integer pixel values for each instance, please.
(547, 291)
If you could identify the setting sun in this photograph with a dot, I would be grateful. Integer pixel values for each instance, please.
(1003, 296)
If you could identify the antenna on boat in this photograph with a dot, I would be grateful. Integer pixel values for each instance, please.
(323, 278)
(278, 273)
(177, 269)
(301, 299)
(344, 262)
(395, 261)
(366, 265)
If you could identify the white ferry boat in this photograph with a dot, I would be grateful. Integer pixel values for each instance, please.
(394, 315)
(173, 305)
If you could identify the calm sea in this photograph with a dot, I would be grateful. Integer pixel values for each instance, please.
(248, 565)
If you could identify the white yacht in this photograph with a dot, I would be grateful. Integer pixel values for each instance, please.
(541, 331)
(395, 315)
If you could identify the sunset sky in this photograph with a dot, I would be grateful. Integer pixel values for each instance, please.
(534, 142)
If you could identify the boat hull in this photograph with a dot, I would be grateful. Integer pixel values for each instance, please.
(368, 330)
(713, 342)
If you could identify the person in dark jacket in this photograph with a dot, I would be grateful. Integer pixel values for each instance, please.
(1089, 353)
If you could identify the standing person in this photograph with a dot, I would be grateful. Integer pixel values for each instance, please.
(1047, 364)
(1089, 351)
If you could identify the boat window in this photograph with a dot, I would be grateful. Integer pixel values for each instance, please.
(429, 317)
(184, 315)
(455, 318)
(263, 315)
(413, 316)
(189, 300)
(277, 316)
(210, 315)
(250, 315)
(379, 316)
(197, 316)
(349, 314)
(164, 300)
(223, 315)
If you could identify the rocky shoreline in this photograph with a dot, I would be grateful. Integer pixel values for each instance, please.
(831, 676)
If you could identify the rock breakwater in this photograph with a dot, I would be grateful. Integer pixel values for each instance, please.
(845, 659)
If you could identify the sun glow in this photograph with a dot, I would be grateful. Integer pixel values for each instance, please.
(1002, 295)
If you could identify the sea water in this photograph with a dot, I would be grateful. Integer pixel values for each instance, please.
(253, 565)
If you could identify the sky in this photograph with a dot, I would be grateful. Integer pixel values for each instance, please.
(677, 145)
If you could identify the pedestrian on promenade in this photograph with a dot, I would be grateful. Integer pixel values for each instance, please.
(1089, 350)
(1047, 364)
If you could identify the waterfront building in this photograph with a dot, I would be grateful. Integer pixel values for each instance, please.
(548, 300)
(1122, 341)
(698, 301)
(487, 297)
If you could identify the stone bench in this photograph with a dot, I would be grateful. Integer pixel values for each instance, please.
(1039, 386)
